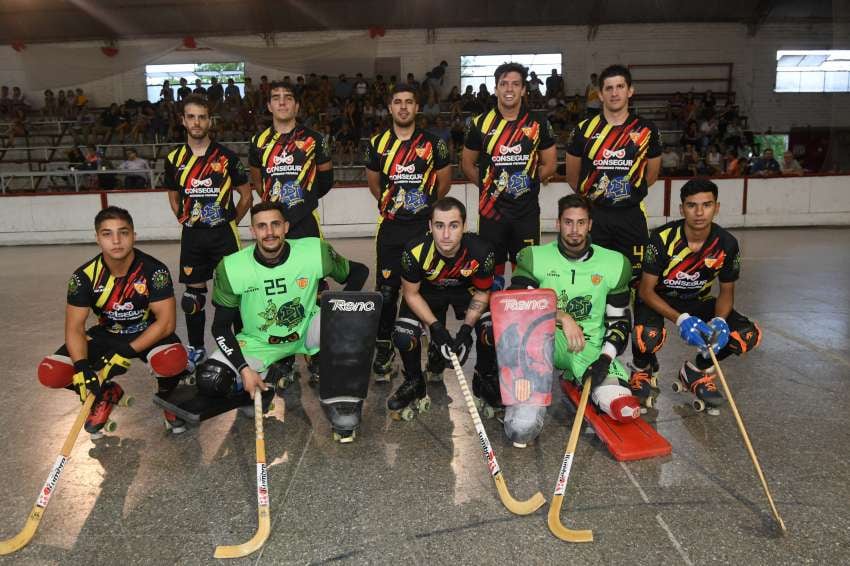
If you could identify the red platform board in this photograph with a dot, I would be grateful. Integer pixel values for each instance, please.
(625, 441)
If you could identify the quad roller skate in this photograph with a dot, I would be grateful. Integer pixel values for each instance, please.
(409, 399)
(383, 364)
(700, 383)
(173, 423)
(98, 420)
(284, 372)
(344, 414)
(313, 369)
(488, 397)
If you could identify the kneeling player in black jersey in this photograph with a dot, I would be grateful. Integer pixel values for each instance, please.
(443, 268)
(681, 262)
(132, 295)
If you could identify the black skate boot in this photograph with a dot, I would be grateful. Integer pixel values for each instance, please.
(488, 396)
(282, 373)
(699, 383)
(313, 368)
(640, 383)
(435, 366)
(409, 399)
(383, 364)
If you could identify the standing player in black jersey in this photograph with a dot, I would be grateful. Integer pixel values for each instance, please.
(408, 170)
(132, 296)
(682, 260)
(444, 268)
(508, 151)
(201, 176)
(292, 165)
(612, 159)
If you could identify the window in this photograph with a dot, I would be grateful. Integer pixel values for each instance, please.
(477, 69)
(813, 71)
(155, 75)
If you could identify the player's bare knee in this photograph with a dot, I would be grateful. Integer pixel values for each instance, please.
(168, 360)
(406, 334)
(745, 337)
(56, 371)
(649, 339)
(193, 300)
(215, 378)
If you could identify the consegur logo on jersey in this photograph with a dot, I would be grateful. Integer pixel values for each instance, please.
(351, 306)
(506, 149)
(283, 159)
(405, 168)
(529, 305)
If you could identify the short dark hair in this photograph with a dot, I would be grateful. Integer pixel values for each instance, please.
(285, 86)
(615, 71)
(511, 67)
(400, 87)
(446, 204)
(112, 213)
(698, 185)
(574, 200)
(195, 99)
(267, 205)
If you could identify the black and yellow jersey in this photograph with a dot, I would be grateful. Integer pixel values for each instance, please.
(686, 274)
(205, 184)
(122, 304)
(613, 159)
(288, 165)
(507, 161)
(471, 267)
(408, 170)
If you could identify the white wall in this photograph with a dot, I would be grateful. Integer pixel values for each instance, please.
(351, 211)
(753, 57)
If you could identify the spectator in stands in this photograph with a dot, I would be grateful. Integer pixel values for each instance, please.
(592, 99)
(438, 128)
(691, 134)
(5, 101)
(184, 90)
(199, 88)
(18, 127)
(49, 109)
(250, 92)
(299, 86)
(80, 101)
(714, 160)
(468, 102)
(111, 122)
(790, 166)
(132, 162)
(346, 142)
(708, 104)
(361, 87)
(215, 94)
(411, 80)
(734, 166)
(141, 122)
(432, 108)
(534, 84)
(342, 90)
(676, 109)
(734, 135)
(690, 158)
(554, 84)
(483, 97)
(707, 130)
(458, 130)
(166, 92)
(437, 79)
(61, 104)
(264, 91)
(767, 166)
(670, 161)
(231, 93)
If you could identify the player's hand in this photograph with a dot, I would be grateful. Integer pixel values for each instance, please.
(251, 380)
(720, 331)
(117, 360)
(463, 343)
(693, 330)
(598, 370)
(572, 332)
(86, 379)
(442, 339)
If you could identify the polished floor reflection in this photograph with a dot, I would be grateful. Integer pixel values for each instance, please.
(419, 492)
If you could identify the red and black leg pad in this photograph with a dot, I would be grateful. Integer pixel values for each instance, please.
(168, 360)
(744, 337)
(649, 339)
(56, 371)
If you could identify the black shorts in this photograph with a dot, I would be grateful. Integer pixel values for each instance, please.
(307, 227)
(623, 230)
(390, 241)
(202, 248)
(439, 302)
(704, 309)
(508, 237)
(101, 342)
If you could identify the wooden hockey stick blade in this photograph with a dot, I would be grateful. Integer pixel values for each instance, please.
(264, 516)
(747, 443)
(515, 506)
(554, 517)
(23, 538)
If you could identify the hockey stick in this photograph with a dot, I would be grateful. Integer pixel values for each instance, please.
(23, 538)
(558, 529)
(747, 443)
(264, 528)
(526, 507)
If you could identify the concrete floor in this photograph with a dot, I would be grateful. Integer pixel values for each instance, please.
(419, 492)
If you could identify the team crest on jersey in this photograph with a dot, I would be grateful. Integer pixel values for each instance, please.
(596, 278)
(634, 136)
(300, 144)
(218, 166)
(289, 314)
(302, 282)
(141, 286)
(160, 279)
(469, 268)
(386, 273)
(716, 261)
(73, 284)
(187, 270)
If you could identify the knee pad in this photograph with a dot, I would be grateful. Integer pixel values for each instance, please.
(649, 339)
(617, 402)
(745, 338)
(389, 294)
(56, 371)
(193, 300)
(484, 330)
(168, 360)
(406, 333)
(215, 378)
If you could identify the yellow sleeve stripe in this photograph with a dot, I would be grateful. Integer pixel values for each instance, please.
(602, 135)
(390, 155)
(225, 190)
(93, 271)
(189, 165)
(382, 143)
(270, 147)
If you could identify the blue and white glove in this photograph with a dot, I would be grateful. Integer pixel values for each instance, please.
(693, 330)
(721, 333)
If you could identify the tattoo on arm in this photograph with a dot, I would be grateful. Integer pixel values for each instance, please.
(475, 305)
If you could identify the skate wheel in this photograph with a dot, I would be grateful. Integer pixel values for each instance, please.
(489, 412)
(383, 377)
(520, 445)
(713, 411)
(110, 426)
(424, 404)
(653, 382)
(479, 404)
(395, 415)
(344, 438)
(127, 401)
(677, 387)
(699, 405)
(407, 414)
(189, 380)
(649, 402)
(96, 435)
(281, 383)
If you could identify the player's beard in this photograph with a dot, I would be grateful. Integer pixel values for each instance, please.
(272, 248)
(198, 137)
(405, 124)
(574, 247)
